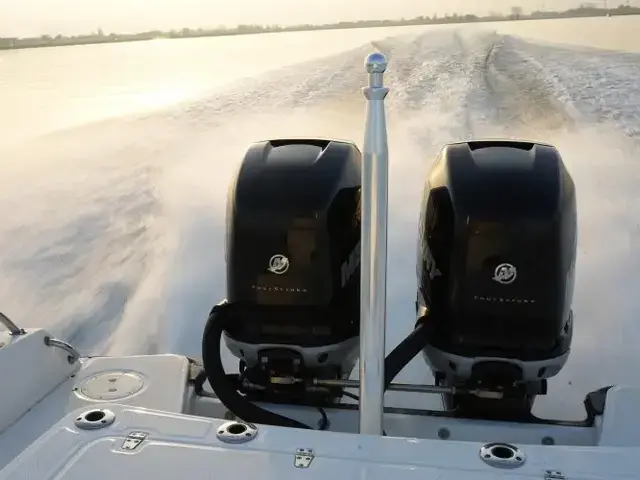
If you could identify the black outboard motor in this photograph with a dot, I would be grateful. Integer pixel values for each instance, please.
(293, 267)
(496, 263)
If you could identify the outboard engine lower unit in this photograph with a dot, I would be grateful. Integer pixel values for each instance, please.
(496, 263)
(293, 267)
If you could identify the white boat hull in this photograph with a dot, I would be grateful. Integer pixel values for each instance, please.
(155, 395)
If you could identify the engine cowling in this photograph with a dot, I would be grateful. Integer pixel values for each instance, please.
(293, 262)
(496, 262)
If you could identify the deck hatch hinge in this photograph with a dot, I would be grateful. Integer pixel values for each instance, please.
(554, 475)
(303, 458)
(133, 440)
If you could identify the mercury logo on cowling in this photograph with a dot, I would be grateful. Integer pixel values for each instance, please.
(278, 264)
(505, 274)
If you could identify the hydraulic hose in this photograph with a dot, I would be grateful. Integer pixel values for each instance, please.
(224, 389)
(404, 352)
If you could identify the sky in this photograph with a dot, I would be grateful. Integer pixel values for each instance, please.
(68, 17)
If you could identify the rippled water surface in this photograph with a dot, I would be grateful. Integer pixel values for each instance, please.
(115, 160)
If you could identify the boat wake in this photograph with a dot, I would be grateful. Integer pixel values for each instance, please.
(115, 237)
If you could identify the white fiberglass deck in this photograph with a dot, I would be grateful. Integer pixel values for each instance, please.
(48, 430)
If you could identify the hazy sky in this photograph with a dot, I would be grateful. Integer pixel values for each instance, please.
(35, 17)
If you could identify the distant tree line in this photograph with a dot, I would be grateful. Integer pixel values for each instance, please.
(100, 37)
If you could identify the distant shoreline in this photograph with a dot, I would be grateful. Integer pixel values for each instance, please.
(46, 41)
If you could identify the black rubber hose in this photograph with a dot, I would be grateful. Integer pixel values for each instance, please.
(404, 352)
(223, 388)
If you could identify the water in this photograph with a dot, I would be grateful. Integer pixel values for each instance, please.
(116, 159)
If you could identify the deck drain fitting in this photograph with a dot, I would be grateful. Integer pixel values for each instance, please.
(236, 432)
(95, 418)
(502, 455)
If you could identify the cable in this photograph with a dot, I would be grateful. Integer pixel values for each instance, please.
(225, 387)
(226, 390)
(324, 421)
(198, 382)
(351, 395)
(405, 351)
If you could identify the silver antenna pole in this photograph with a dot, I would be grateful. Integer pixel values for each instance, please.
(373, 276)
